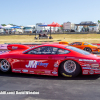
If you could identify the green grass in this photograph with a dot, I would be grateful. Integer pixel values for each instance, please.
(92, 38)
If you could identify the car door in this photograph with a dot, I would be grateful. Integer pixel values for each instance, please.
(38, 60)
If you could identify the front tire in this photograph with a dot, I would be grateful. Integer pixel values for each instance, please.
(70, 68)
(5, 66)
(88, 49)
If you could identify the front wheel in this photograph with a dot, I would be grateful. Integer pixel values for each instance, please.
(88, 49)
(69, 68)
(4, 66)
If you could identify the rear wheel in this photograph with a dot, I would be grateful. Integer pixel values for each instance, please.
(69, 68)
(5, 66)
(88, 49)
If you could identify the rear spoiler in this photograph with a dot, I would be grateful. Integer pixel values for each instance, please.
(17, 47)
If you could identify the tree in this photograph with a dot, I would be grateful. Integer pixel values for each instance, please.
(3, 24)
(61, 27)
(11, 24)
(98, 21)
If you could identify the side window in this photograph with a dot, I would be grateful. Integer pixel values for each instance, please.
(77, 43)
(50, 50)
(73, 43)
(46, 50)
(85, 44)
(62, 51)
(54, 50)
(43, 50)
(35, 51)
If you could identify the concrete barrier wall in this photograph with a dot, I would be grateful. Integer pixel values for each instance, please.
(4, 46)
(54, 33)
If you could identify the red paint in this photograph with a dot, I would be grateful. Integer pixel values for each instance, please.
(44, 64)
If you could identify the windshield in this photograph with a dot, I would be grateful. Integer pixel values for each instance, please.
(88, 44)
(78, 50)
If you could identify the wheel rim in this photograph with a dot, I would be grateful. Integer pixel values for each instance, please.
(5, 66)
(87, 49)
(69, 66)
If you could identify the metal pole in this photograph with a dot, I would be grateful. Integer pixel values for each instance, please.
(50, 33)
(35, 34)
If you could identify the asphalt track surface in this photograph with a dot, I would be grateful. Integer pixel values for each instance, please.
(50, 87)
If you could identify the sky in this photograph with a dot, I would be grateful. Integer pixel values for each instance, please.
(30, 12)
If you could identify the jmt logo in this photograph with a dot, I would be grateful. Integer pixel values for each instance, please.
(34, 63)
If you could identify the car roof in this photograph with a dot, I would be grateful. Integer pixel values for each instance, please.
(54, 45)
(77, 41)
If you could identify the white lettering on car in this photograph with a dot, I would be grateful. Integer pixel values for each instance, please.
(34, 64)
(87, 60)
(17, 70)
(25, 70)
(14, 47)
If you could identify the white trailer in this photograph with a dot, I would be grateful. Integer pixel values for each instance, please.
(68, 26)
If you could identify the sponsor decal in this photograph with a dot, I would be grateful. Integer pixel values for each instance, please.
(86, 68)
(16, 70)
(67, 75)
(25, 70)
(91, 72)
(54, 69)
(14, 47)
(47, 72)
(87, 60)
(94, 65)
(87, 65)
(34, 64)
(56, 64)
(94, 68)
(71, 57)
(85, 71)
(31, 71)
(41, 72)
(54, 72)
(97, 71)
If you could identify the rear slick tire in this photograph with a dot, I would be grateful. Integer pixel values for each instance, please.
(70, 68)
(88, 49)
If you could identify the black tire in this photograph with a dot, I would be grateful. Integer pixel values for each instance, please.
(88, 49)
(5, 66)
(70, 68)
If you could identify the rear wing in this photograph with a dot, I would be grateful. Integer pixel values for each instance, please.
(17, 47)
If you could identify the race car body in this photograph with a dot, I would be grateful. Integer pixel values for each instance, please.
(63, 42)
(49, 59)
(83, 45)
(86, 46)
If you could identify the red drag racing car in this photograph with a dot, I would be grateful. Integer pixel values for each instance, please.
(49, 59)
